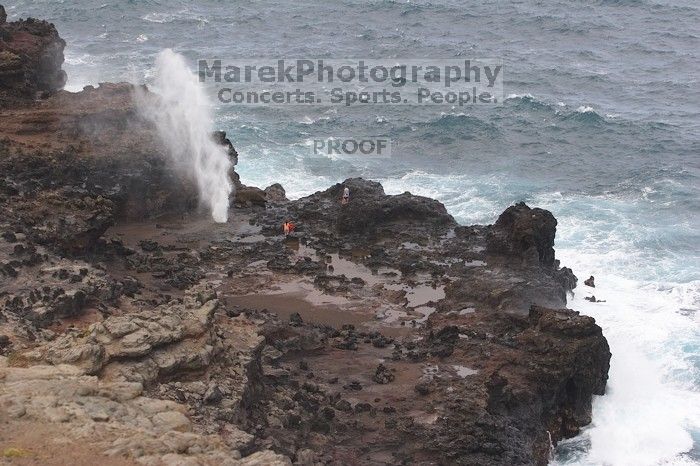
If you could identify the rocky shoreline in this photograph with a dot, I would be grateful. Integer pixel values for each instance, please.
(380, 332)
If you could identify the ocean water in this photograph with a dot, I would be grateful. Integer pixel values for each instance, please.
(601, 126)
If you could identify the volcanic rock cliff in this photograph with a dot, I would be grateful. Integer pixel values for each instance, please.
(134, 330)
(31, 56)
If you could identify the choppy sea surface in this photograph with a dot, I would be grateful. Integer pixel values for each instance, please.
(601, 126)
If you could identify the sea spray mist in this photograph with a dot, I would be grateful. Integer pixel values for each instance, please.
(182, 115)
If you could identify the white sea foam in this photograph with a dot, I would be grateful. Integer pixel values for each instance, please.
(182, 15)
(183, 118)
(82, 69)
(585, 109)
(651, 404)
(307, 120)
(526, 95)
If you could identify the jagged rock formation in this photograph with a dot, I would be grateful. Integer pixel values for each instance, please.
(568, 360)
(370, 210)
(524, 233)
(31, 56)
(380, 332)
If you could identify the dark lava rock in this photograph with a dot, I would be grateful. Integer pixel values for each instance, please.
(441, 344)
(380, 341)
(31, 57)
(74, 226)
(275, 193)
(343, 405)
(363, 407)
(148, 245)
(295, 320)
(566, 277)
(383, 375)
(213, 394)
(247, 196)
(353, 385)
(328, 413)
(529, 403)
(509, 288)
(590, 281)
(369, 208)
(525, 233)
(130, 286)
(422, 388)
(347, 339)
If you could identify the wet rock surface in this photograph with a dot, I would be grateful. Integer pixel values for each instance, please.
(417, 346)
(379, 332)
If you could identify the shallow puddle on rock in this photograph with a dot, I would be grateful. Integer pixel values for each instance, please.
(259, 265)
(464, 371)
(474, 263)
(411, 246)
(352, 270)
(256, 238)
(424, 418)
(447, 262)
(419, 295)
(426, 311)
(310, 293)
(391, 315)
(301, 250)
(338, 265)
(286, 304)
(359, 252)
(449, 235)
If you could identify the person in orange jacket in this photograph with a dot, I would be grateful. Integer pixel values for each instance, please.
(287, 227)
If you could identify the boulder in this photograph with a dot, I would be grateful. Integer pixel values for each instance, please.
(524, 233)
(31, 56)
(248, 196)
(370, 209)
(383, 375)
(275, 193)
